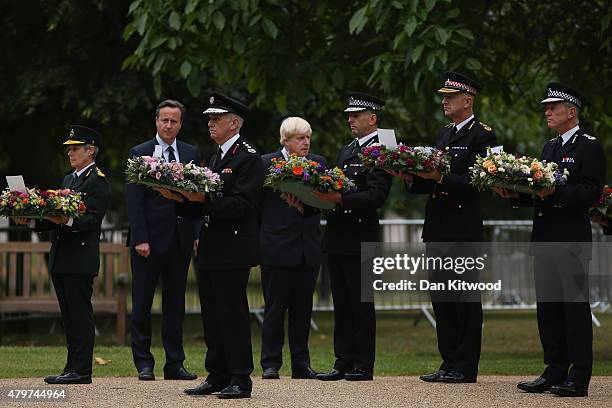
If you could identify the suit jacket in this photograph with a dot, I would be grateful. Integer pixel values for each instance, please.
(288, 237)
(356, 220)
(76, 249)
(564, 216)
(453, 212)
(229, 238)
(152, 218)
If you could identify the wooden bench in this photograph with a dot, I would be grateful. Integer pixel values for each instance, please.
(28, 289)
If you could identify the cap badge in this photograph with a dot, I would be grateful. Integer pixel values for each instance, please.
(212, 100)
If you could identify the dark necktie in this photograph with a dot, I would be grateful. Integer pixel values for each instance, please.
(219, 155)
(557, 146)
(73, 180)
(171, 156)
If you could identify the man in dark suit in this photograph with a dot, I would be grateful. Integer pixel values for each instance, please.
(230, 247)
(74, 259)
(290, 260)
(561, 263)
(354, 220)
(161, 245)
(453, 214)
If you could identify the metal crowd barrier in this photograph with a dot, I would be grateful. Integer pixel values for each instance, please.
(521, 297)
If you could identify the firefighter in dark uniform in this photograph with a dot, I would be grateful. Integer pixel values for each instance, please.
(229, 247)
(561, 270)
(354, 220)
(453, 214)
(74, 258)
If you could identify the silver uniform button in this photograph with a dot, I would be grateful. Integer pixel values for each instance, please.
(359, 220)
(206, 224)
(235, 232)
(459, 206)
(82, 244)
(540, 214)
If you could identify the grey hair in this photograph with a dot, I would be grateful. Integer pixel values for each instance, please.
(240, 120)
(571, 105)
(96, 150)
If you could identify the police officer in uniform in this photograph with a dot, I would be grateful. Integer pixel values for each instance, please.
(74, 258)
(453, 214)
(354, 220)
(229, 247)
(561, 270)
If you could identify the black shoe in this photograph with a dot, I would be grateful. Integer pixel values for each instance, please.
(569, 389)
(433, 377)
(270, 374)
(333, 375)
(203, 389)
(538, 385)
(304, 373)
(180, 374)
(146, 374)
(49, 378)
(358, 374)
(456, 377)
(69, 378)
(234, 391)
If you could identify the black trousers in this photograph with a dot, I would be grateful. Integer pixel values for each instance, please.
(172, 267)
(565, 327)
(287, 289)
(354, 320)
(458, 314)
(227, 330)
(74, 296)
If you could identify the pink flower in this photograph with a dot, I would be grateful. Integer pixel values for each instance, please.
(158, 175)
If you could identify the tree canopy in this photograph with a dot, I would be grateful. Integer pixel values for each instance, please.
(108, 63)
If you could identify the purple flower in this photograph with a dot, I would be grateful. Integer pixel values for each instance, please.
(375, 153)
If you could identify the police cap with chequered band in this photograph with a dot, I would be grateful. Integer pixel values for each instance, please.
(455, 82)
(556, 92)
(358, 102)
(220, 104)
(80, 135)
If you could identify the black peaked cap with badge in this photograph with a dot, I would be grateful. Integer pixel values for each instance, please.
(358, 102)
(557, 92)
(80, 135)
(455, 82)
(220, 104)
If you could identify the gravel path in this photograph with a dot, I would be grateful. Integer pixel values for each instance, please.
(490, 391)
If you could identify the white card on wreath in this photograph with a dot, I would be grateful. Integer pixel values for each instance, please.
(497, 149)
(158, 151)
(386, 137)
(16, 183)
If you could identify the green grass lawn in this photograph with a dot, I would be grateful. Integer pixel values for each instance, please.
(510, 346)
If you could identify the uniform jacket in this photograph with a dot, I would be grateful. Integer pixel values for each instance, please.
(288, 237)
(229, 238)
(356, 220)
(453, 212)
(76, 249)
(152, 218)
(564, 217)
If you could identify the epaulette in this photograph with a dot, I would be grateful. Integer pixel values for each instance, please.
(486, 127)
(450, 124)
(248, 147)
(589, 136)
(99, 172)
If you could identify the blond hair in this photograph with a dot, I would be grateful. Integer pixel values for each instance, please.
(293, 126)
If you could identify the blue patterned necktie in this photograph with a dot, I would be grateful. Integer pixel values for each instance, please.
(171, 156)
